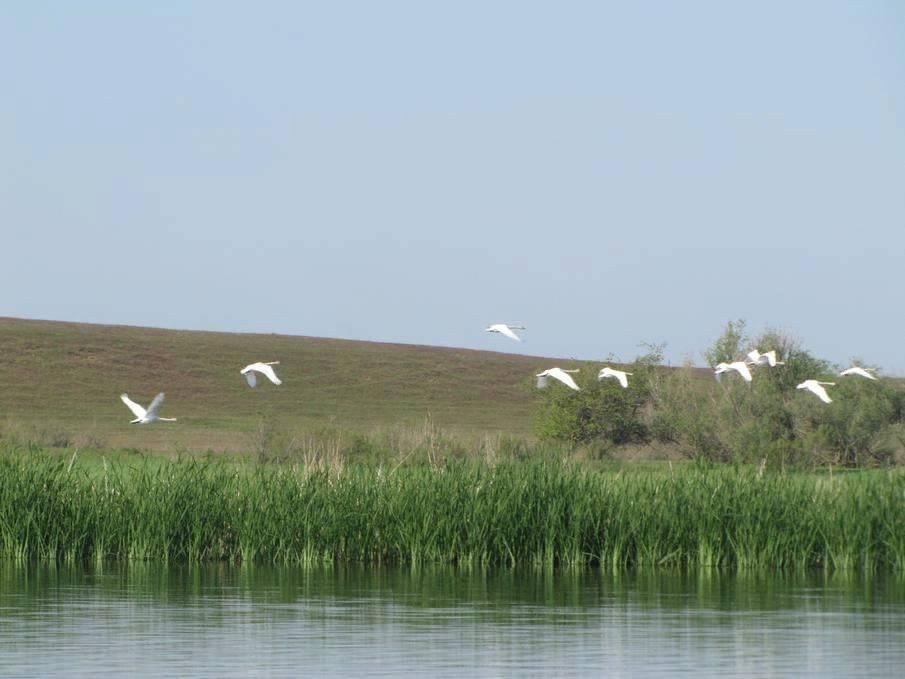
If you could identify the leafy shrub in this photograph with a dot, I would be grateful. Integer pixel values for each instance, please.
(685, 415)
(854, 430)
(603, 410)
(769, 420)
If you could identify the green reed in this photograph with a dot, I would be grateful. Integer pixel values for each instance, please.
(546, 514)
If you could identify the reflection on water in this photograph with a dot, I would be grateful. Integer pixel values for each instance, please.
(254, 621)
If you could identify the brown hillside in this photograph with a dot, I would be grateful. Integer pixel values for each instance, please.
(66, 378)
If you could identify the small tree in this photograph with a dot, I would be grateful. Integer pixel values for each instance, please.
(729, 345)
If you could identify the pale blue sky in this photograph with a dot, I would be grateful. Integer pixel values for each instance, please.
(606, 173)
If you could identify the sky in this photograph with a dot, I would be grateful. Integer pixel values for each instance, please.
(605, 173)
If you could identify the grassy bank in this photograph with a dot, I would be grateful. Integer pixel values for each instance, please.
(461, 512)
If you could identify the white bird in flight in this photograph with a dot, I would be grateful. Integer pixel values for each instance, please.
(263, 368)
(816, 387)
(557, 374)
(738, 366)
(768, 358)
(148, 416)
(611, 372)
(507, 330)
(858, 370)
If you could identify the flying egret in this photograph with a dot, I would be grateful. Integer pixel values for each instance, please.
(768, 358)
(148, 416)
(507, 330)
(816, 387)
(858, 370)
(738, 366)
(618, 374)
(557, 374)
(263, 368)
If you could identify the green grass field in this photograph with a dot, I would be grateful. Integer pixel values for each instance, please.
(63, 380)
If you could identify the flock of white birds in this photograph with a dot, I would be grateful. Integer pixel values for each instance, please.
(754, 359)
(816, 387)
(743, 368)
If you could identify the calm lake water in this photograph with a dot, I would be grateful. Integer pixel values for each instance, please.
(220, 621)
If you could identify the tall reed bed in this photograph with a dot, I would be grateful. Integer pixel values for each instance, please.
(467, 513)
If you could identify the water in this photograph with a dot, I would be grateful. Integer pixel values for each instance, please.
(220, 621)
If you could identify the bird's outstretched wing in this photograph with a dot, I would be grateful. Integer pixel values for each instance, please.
(264, 369)
(742, 369)
(268, 372)
(509, 333)
(564, 377)
(155, 405)
(136, 409)
(821, 393)
(817, 389)
(856, 370)
(504, 329)
(620, 375)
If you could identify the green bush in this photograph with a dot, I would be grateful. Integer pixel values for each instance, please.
(853, 431)
(603, 411)
(684, 414)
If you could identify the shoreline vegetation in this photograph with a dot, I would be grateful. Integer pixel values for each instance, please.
(340, 464)
(550, 513)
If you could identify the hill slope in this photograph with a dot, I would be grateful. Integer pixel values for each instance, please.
(67, 377)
